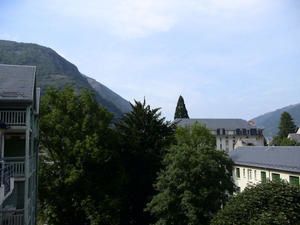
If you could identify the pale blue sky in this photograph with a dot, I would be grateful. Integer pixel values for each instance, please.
(227, 58)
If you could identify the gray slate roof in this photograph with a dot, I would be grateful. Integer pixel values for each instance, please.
(16, 82)
(213, 124)
(285, 158)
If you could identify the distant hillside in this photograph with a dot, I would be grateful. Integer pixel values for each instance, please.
(109, 95)
(270, 121)
(54, 70)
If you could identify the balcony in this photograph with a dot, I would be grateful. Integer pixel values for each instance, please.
(10, 169)
(16, 166)
(5, 174)
(13, 118)
(12, 217)
(6, 180)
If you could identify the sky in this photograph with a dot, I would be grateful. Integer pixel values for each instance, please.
(227, 58)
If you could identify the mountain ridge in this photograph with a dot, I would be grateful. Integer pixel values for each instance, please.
(56, 71)
(270, 120)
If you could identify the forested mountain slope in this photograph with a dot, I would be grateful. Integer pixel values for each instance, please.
(54, 70)
(270, 121)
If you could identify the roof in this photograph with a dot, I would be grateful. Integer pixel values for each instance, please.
(214, 124)
(294, 137)
(285, 158)
(17, 82)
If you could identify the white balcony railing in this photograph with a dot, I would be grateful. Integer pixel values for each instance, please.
(12, 217)
(16, 165)
(13, 118)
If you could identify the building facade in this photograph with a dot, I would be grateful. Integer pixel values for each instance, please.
(295, 136)
(19, 109)
(253, 165)
(229, 132)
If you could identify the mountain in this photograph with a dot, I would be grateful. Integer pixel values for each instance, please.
(270, 121)
(53, 70)
(109, 95)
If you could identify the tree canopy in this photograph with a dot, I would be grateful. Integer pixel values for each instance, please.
(181, 111)
(144, 135)
(195, 181)
(79, 170)
(271, 203)
(286, 125)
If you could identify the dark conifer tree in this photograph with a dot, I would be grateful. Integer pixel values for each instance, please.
(144, 135)
(286, 125)
(181, 111)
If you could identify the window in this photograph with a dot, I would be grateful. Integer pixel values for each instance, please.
(237, 172)
(249, 174)
(263, 176)
(294, 180)
(14, 145)
(244, 173)
(255, 178)
(253, 132)
(226, 142)
(275, 177)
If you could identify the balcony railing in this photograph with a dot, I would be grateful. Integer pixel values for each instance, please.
(13, 118)
(12, 217)
(16, 165)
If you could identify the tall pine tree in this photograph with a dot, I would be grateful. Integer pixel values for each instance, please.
(181, 111)
(144, 135)
(286, 125)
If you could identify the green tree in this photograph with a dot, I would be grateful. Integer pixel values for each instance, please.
(271, 203)
(195, 181)
(286, 125)
(144, 135)
(79, 176)
(284, 141)
(181, 111)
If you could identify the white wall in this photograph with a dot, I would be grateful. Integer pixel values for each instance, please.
(227, 142)
(249, 177)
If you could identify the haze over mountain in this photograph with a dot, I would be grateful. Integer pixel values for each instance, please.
(270, 121)
(53, 70)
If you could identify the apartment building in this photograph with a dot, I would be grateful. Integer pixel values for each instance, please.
(254, 164)
(229, 132)
(19, 109)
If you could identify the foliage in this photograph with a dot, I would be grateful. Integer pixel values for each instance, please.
(144, 135)
(271, 203)
(195, 181)
(79, 169)
(181, 111)
(269, 121)
(284, 141)
(286, 125)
